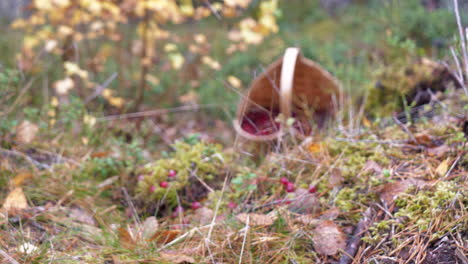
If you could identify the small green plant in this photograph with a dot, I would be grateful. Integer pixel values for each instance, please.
(167, 176)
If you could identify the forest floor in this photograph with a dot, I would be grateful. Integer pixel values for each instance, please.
(385, 182)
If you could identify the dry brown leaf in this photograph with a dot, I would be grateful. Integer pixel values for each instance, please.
(438, 151)
(372, 166)
(165, 236)
(390, 191)
(176, 258)
(203, 215)
(126, 239)
(149, 228)
(26, 132)
(328, 238)
(101, 154)
(304, 202)
(442, 169)
(330, 214)
(307, 219)
(80, 215)
(336, 178)
(256, 219)
(15, 200)
(423, 139)
(20, 178)
(116, 260)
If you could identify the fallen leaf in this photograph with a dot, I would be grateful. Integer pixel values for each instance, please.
(165, 236)
(256, 219)
(20, 178)
(314, 147)
(101, 154)
(126, 238)
(80, 215)
(15, 200)
(328, 238)
(176, 258)
(336, 178)
(438, 151)
(330, 214)
(303, 202)
(372, 166)
(307, 220)
(366, 122)
(26, 132)
(442, 169)
(149, 228)
(423, 139)
(390, 191)
(203, 215)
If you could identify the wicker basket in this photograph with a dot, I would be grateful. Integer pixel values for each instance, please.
(293, 86)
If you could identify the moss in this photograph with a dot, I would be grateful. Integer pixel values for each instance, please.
(426, 205)
(354, 155)
(200, 159)
(420, 209)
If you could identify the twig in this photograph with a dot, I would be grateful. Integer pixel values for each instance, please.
(8, 257)
(100, 88)
(34, 163)
(157, 112)
(246, 231)
(130, 203)
(405, 128)
(354, 242)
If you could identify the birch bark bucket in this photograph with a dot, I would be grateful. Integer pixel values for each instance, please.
(292, 86)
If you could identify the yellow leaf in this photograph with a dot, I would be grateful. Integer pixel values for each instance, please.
(20, 178)
(63, 86)
(15, 200)
(169, 47)
(177, 60)
(366, 122)
(200, 38)
(152, 79)
(89, 120)
(234, 81)
(314, 147)
(116, 101)
(442, 169)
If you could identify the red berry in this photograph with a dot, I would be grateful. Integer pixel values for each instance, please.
(284, 181)
(152, 188)
(172, 174)
(232, 205)
(290, 187)
(312, 189)
(163, 184)
(196, 205)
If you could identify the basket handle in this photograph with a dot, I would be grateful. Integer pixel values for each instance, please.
(287, 78)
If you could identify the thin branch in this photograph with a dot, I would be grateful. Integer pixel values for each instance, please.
(8, 257)
(158, 112)
(100, 88)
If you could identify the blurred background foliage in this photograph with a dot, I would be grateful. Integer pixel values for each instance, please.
(110, 57)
